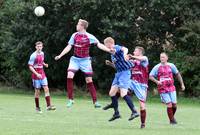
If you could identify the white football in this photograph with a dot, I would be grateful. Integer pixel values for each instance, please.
(39, 11)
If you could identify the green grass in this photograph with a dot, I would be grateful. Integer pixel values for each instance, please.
(18, 117)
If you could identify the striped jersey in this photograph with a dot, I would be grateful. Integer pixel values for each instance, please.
(118, 59)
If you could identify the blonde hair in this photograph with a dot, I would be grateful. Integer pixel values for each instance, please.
(38, 43)
(84, 23)
(141, 49)
(109, 40)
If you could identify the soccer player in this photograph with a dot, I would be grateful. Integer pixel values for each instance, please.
(81, 41)
(139, 80)
(162, 75)
(121, 81)
(36, 63)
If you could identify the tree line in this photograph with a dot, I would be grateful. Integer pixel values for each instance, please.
(172, 26)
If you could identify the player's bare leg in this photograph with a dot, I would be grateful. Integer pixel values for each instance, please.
(70, 87)
(48, 99)
(123, 93)
(37, 96)
(92, 90)
(113, 91)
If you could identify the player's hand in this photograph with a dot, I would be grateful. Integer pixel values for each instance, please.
(159, 83)
(112, 51)
(57, 57)
(46, 65)
(183, 87)
(130, 56)
(39, 76)
(126, 57)
(107, 62)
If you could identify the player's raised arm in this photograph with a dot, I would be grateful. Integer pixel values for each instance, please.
(125, 50)
(138, 54)
(65, 51)
(104, 48)
(140, 58)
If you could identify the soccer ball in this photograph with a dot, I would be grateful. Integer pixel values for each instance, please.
(39, 11)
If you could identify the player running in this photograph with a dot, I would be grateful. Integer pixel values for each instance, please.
(36, 63)
(121, 81)
(162, 75)
(139, 80)
(81, 41)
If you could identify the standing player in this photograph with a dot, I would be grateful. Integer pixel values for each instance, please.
(121, 81)
(139, 80)
(162, 75)
(81, 41)
(36, 63)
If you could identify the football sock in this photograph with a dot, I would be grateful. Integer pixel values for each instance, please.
(37, 102)
(70, 88)
(174, 107)
(143, 116)
(48, 100)
(115, 104)
(170, 113)
(129, 103)
(92, 91)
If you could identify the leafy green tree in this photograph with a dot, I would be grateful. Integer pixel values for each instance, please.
(157, 25)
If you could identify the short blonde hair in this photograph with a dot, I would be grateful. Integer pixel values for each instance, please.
(109, 40)
(141, 49)
(38, 43)
(84, 23)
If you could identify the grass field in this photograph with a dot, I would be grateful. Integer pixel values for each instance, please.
(18, 117)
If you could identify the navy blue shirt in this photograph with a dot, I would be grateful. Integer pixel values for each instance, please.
(118, 59)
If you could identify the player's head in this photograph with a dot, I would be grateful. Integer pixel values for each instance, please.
(38, 46)
(139, 51)
(82, 25)
(163, 57)
(109, 42)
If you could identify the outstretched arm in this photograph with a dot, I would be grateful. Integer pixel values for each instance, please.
(180, 79)
(65, 51)
(140, 58)
(104, 48)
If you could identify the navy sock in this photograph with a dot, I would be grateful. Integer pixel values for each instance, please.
(115, 104)
(129, 103)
